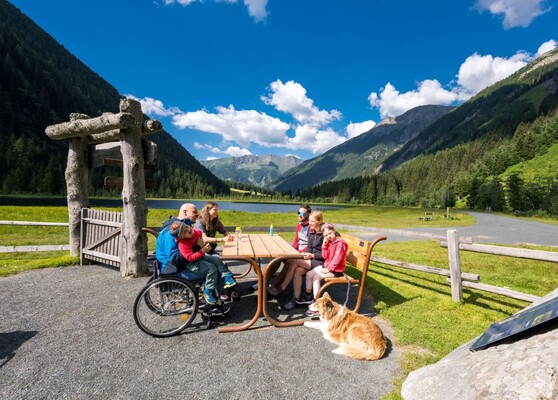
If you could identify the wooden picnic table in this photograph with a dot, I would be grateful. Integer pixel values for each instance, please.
(251, 248)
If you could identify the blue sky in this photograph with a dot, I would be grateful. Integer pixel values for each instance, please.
(233, 77)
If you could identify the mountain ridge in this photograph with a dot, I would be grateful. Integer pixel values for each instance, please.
(361, 155)
(251, 169)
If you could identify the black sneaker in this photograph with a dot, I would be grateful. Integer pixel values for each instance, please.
(305, 299)
(291, 304)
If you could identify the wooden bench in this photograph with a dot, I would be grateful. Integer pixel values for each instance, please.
(428, 216)
(358, 255)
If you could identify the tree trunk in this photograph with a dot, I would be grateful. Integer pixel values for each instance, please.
(76, 174)
(134, 251)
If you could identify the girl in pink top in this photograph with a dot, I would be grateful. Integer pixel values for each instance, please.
(334, 250)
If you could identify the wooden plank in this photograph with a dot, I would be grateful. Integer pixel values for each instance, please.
(273, 246)
(286, 247)
(23, 249)
(424, 268)
(258, 246)
(509, 251)
(101, 256)
(117, 182)
(502, 291)
(245, 247)
(32, 223)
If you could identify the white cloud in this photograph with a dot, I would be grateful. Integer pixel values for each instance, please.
(256, 8)
(152, 106)
(234, 151)
(475, 74)
(479, 72)
(391, 102)
(546, 46)
(355, 129)
(317, 141)
(212, 149)
(515, 12)
(242, 126)
(291, 98)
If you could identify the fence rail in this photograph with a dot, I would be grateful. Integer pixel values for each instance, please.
(33, 248)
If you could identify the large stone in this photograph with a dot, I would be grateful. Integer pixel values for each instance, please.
(524, 368)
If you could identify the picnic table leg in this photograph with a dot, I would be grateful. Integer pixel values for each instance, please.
(237, 328)
(271, 268)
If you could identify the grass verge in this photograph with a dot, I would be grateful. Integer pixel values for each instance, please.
(426, 323)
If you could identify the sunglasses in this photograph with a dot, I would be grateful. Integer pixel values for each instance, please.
(301, 214)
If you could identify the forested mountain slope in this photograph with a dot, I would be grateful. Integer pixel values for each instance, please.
(41, 83)
(362, 154)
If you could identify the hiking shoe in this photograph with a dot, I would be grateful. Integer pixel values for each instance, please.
(305, 299)
(209, 296)
(275, 290)
(224, 297)
(291, 304)
(310, 313)
(229, 281)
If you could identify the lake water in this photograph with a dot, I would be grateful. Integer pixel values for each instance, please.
(159, 204)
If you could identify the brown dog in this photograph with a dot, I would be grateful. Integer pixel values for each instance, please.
(357, 336)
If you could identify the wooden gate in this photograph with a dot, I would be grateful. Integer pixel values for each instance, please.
(101, 233)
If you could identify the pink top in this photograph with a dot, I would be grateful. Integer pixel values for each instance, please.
(335, 254)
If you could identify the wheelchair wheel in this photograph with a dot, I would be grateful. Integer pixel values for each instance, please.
(166, 306)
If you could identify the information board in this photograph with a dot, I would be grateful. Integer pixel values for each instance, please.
(528, 319)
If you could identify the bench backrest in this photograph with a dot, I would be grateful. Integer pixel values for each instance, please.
(358, 252)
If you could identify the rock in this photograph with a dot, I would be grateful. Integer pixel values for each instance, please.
(515, 369)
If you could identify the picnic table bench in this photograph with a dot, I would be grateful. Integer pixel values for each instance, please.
(428, 216)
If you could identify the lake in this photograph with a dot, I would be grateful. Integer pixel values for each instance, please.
(159, 204)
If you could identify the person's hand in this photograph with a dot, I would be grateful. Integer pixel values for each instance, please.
(206, 248)
(229, 238)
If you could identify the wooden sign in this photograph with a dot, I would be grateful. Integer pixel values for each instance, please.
(109, 154)
(117, 182)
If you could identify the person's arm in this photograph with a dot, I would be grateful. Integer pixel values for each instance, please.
(338, 258)
(295, 241)
(187, 252)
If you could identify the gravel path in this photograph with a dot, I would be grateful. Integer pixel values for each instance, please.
(489, 228)
(69, 333)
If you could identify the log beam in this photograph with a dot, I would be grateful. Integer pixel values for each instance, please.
(82, 127)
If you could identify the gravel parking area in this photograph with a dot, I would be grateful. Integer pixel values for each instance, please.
(69, 333)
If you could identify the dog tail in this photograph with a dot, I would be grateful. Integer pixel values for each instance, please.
(370, 353)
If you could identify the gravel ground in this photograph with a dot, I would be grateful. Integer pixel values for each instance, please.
(69, 333)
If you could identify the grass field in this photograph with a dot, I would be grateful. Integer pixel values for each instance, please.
(426, 323)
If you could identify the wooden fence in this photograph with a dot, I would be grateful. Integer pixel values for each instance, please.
(22, 249)
(100, 238)
(458, 279)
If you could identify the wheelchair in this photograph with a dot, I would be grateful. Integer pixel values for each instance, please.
(168, 304)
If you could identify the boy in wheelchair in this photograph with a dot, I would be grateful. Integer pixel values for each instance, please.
(181, 251)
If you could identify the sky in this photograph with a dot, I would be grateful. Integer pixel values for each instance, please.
(294, 77)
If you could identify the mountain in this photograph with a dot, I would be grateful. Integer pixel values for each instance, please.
(362, 154)
(41, 83)
(496, 111)
(250, 169)
(497, 151)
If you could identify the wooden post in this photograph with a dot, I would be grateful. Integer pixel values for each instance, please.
(76, 175)
(455, 265)
(448, 212)
(134, 213)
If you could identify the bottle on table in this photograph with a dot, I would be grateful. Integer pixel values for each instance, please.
(271, 230)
